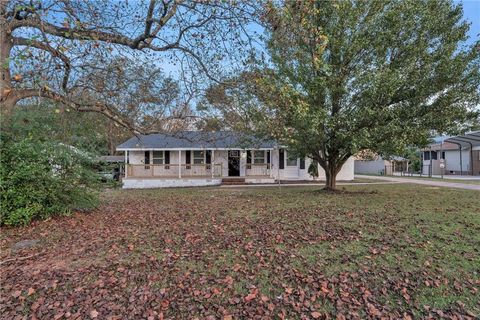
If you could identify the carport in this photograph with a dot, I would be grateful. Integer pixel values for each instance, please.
(469, 141)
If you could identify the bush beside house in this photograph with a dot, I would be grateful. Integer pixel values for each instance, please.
(39, 179)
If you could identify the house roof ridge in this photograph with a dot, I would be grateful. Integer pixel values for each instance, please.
(196, 139)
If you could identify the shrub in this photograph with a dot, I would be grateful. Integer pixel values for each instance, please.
(39, 179)
(313, 169)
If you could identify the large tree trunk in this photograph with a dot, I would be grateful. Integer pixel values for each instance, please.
(331, 173)
(332, 167)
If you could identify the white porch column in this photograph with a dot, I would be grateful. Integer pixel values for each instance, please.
(277, 149)
(126, 163)
(212, 162)
(271, 163)
(243, 163)
(179, 164)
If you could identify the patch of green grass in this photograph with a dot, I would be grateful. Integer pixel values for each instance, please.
(441, 298)
(466, 181)
(331, 258)
(240, 287)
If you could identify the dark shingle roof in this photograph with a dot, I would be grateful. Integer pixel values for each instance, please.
(196, 139)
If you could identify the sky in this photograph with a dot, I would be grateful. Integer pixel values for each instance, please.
(471, 12)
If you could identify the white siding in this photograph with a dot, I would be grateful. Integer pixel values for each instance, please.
(295, 173)
(221, 156)
(347, 170)
(452, 160)
(136, 157)
(370, 167)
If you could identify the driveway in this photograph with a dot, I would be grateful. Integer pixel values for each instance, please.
(426, 182)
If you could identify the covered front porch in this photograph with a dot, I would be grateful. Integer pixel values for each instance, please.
(198, 163)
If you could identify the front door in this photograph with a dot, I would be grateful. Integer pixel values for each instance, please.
(233, 163)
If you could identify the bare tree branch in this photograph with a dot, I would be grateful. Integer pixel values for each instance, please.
(88, 37)
(46, 47)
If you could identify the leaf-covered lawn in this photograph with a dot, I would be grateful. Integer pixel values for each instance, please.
(393, 251)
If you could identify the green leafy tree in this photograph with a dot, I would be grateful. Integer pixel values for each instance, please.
(351, 75)
(55, 123)
(39, 179)
(313, 169)
(414, 158)
(48, 165)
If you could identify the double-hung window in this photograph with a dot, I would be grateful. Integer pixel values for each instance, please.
(198, 157)
(258, 156)
(291, 161)
(158, 157)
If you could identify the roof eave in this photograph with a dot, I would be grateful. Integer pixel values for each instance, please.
(193, 148)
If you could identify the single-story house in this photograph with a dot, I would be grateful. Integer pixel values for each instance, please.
(459, 155)
(194, 158)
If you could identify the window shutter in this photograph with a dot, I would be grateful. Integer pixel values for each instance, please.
(249, 156)
(188, 156)
(268, 156)
(208, 156)
(167, 157)
(302, 163)
(281, 159)
(147, 157)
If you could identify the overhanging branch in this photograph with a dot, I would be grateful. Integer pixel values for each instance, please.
(46, 47)
(103, 108)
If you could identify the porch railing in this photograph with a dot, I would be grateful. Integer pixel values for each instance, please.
(173, 170)
(258, 169)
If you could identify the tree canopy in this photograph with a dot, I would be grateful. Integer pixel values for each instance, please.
(53, 48)
(351, 75)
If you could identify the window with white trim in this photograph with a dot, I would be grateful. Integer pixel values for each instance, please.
(198, 157)
(258, 156)
(291, 161)
(158, 157)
